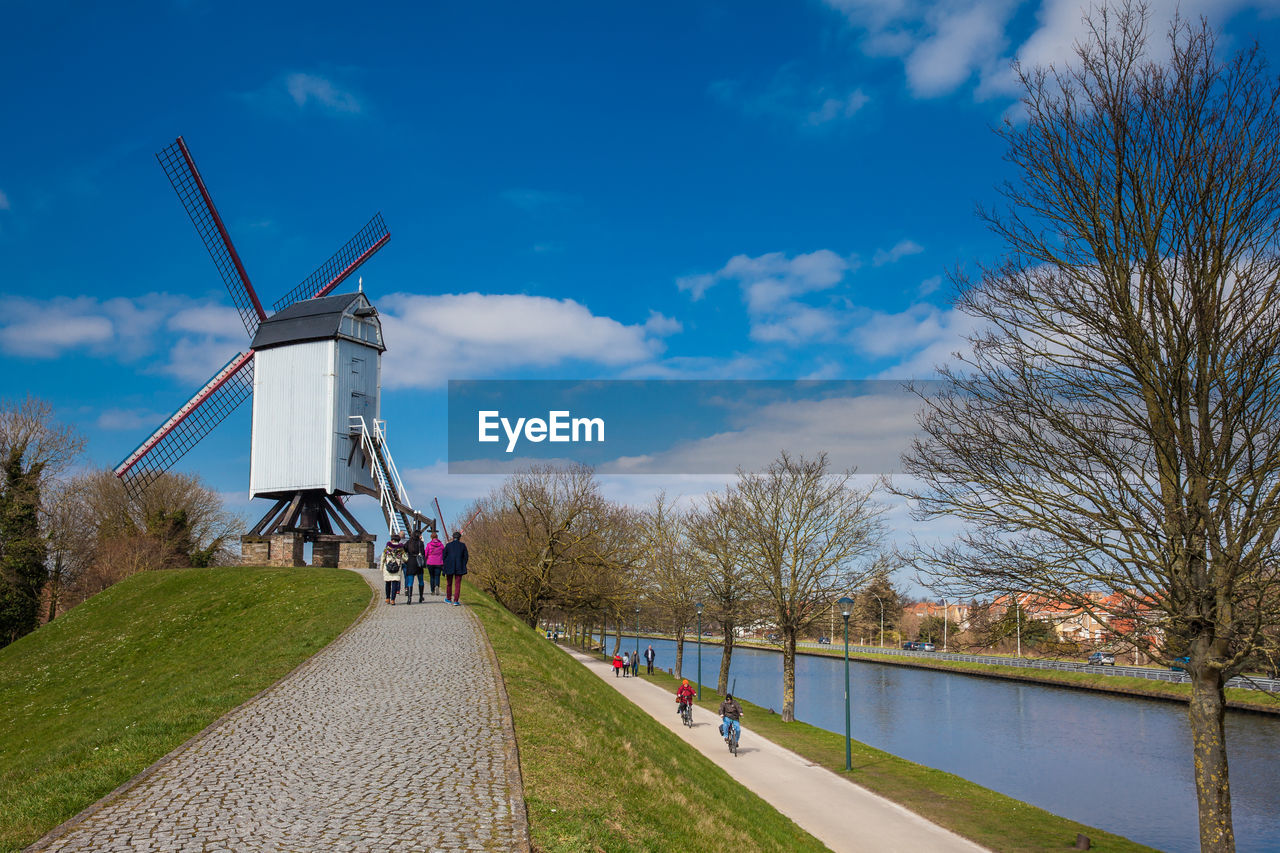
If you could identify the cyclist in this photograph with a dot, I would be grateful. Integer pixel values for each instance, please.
(684, 695)
(730, 714)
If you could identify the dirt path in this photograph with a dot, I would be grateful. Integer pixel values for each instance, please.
(842, 815)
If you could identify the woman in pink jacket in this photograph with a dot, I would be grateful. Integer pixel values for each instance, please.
(435, 561)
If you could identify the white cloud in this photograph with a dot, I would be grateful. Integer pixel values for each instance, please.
(929, 285)
(4, 201)
(901, 249)
(921, 338)
(182, 337)
(944, 44)
(792, 99)
(128, 419)
(312, 89)
(431, 339)
(773, 286)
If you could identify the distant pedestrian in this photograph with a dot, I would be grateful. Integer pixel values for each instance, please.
(626, 664)
(392, 565)
(649, 656)
(415, 562)
(435, 561)
(617, 665)
(455, 566)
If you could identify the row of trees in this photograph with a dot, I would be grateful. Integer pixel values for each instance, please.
(779, 545)
(1111, 433)
(66, 535)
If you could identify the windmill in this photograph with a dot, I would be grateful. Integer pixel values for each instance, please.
(291, 347)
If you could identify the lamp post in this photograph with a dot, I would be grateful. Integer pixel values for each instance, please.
(637, 630)
(846, 604)
(698, 607)
(881, 600)
(1017, 613)
(945, 613)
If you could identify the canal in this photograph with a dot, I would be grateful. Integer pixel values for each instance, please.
(1118, 763)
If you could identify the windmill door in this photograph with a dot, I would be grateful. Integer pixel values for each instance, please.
(361, 401)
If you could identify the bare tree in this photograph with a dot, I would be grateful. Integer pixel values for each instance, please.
(804, 531)
(671, 571)
(722, 570)
(1113, 439)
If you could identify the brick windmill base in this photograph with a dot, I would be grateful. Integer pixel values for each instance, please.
(337, 539)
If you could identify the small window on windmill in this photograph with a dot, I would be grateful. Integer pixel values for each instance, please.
(357, 366)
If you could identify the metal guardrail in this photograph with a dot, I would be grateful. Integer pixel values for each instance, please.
(1250, 683)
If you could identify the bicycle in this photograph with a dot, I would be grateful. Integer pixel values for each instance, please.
(731, 738)
(686, 714)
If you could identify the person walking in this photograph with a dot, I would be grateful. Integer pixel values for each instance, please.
(435, 561)
(392, 565)
(455, 566)
(617, 664)
(415, 562)
(649, 656)
(626, 664)
(635, 665)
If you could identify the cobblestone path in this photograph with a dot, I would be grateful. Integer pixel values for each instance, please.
(392, 738)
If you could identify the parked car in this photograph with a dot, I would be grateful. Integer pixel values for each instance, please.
(1102, 659)
(824, 641)
(910, 645)
(1182, 660)
(926, 647)
(773, 638)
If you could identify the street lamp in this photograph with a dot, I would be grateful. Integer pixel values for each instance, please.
(881, 600)
(946, 611)
(1017, 612)
(846, 605)
(698, 607)
(637, 630)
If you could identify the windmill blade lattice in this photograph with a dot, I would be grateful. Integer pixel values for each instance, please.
(182, 430)
(181, 169)
(369, 239)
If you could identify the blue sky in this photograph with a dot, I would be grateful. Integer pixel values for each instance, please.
(574, 191)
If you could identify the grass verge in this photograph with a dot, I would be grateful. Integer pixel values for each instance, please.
(966, 808)
(601, 774)
(98, 695)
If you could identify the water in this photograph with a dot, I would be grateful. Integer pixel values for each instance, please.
(1120, 764)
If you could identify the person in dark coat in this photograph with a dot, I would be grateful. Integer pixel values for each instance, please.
(649, 655)
(455, 566)
(415, 562)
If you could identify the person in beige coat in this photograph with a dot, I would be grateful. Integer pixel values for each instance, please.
(392, 565)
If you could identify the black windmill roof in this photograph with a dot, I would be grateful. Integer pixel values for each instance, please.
(315, 320)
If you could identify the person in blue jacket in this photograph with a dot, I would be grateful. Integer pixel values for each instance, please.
(455, 566)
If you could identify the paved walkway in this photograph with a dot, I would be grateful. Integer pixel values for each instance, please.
(840, 814)
(392, 738)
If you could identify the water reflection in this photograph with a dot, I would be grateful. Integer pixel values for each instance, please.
(1118, 763)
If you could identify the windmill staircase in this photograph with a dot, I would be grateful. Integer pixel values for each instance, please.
(371, 438)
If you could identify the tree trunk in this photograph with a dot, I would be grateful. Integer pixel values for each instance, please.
(722, 683)
(679, 653)
(788, 675)
(617, 636)
(1208, 736)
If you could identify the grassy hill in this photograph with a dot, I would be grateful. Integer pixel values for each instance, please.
(601, 774)
(98, 695)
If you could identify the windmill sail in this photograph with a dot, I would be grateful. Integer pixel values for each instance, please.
(187, 183)
(182, 430)
(369, 239)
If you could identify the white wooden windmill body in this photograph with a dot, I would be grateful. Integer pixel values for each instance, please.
(318, 367)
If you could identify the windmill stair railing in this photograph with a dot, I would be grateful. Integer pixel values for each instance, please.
(400, 514)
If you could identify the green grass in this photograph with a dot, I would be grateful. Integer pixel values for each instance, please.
(98, 695)
(601, 774)
(966, 808)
